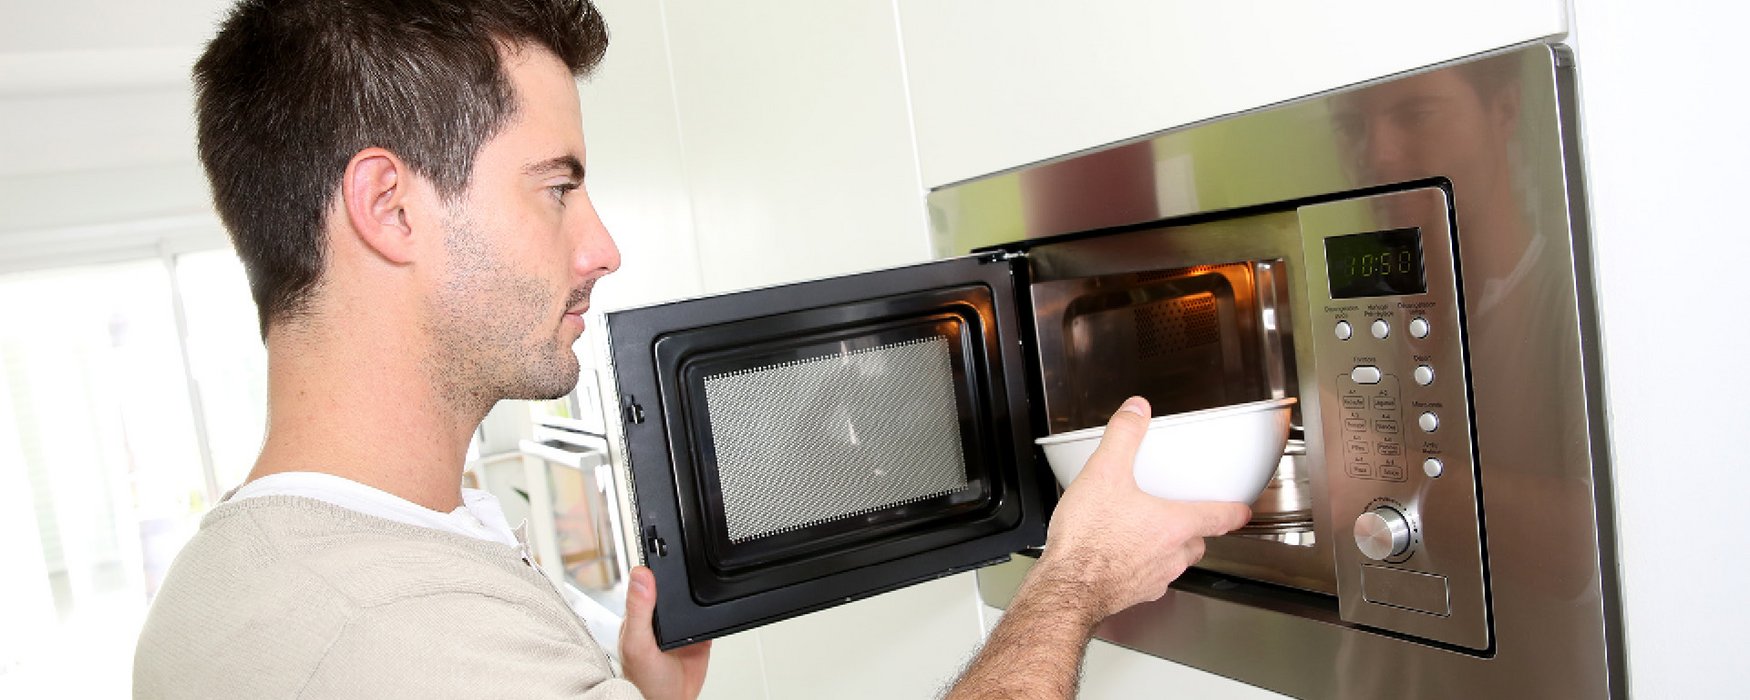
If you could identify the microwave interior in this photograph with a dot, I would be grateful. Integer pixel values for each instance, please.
(796, 447)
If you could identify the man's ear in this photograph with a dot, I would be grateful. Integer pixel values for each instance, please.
(376, 191)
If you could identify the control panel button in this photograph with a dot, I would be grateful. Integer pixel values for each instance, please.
(1364, 374)
(1432, 467)
(1428, 421)
(1344, 330)
(1424, 375)
(1418, 327)
(1382, 533)
(1381, 328)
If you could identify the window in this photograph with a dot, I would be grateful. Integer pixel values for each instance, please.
(114, 451)
(227, 358)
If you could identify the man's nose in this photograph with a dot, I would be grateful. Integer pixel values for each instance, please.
(596, 254)
(1384, 150)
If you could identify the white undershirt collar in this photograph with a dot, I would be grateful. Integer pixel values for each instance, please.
(479, 516)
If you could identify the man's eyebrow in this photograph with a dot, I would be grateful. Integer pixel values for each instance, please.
(1422, 101)
(559, 164)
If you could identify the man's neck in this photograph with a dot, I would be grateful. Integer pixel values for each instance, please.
(361, 407)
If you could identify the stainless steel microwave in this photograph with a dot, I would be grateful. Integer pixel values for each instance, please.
(1406, 257)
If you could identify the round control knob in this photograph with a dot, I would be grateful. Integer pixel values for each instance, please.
(1382, 533)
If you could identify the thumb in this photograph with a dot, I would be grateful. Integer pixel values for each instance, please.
(1123, 436)
(637, 632)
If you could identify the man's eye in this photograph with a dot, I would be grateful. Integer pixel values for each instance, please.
(1417, 116)
(560, 190)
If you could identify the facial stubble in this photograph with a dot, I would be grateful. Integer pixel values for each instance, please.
(493, 329)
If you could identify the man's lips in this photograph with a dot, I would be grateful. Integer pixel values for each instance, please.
(578, 301)
(575, 315)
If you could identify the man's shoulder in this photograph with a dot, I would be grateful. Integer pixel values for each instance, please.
(308, 593)
(366, 560)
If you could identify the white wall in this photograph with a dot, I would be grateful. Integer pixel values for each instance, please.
(1663, 105)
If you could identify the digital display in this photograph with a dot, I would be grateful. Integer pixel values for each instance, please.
(1375, 264)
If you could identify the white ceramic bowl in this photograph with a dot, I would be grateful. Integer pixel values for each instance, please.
(1219, 454)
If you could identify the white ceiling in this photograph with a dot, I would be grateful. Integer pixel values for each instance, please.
(96, 129)
(107, 25)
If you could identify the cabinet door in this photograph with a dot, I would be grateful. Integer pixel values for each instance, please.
(797, 447)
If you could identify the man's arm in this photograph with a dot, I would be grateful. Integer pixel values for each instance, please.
(1110, 546)
(1036, 650)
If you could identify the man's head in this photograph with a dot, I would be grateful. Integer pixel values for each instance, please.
(428, 152)
(1458, 124)
(289, 90)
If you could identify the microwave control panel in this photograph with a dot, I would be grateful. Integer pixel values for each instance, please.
(1389, 355)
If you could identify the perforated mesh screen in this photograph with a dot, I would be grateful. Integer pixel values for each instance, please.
(813, 441)
(1172, 325)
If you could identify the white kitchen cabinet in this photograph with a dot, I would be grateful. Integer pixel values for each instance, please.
(798, 148)
(737, 668)
(1111, 671)
(634, 163)
(907, 644)
(996, 84)
(910, 643)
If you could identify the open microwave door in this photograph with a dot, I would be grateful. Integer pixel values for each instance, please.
(796, 447)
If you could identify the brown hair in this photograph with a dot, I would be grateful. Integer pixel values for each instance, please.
(289, 90)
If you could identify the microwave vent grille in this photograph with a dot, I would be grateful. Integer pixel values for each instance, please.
(1173, 325)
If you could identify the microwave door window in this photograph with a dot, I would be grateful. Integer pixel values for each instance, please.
(800, 451)
(807, 445)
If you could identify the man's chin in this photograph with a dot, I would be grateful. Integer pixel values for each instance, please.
(550, 382)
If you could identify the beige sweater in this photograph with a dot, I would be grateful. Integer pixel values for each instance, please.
(290, 597)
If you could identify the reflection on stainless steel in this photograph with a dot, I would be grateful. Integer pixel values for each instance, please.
(1186, 339)
(1283, 512)
(1487, 149)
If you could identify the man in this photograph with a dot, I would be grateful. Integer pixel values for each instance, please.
(404, 183)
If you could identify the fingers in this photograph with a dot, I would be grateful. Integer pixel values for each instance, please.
(1123, 435)
(1213, 519)
(636, 633)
